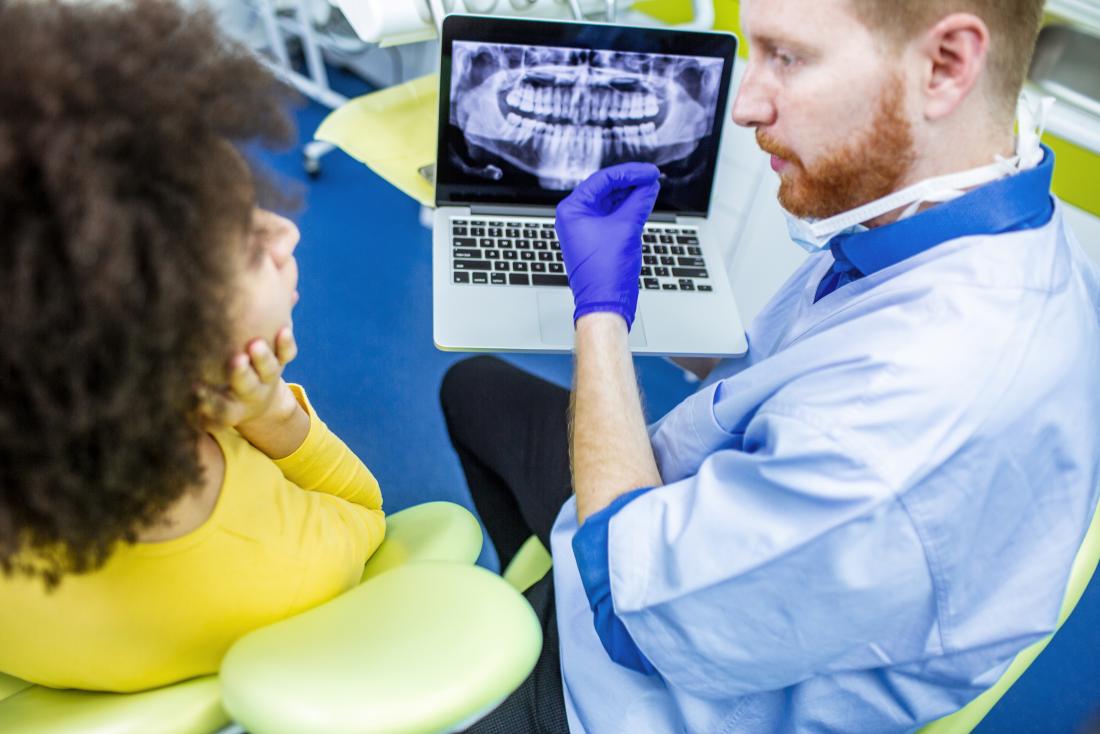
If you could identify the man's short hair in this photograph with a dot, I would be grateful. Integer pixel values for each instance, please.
(1013, 28)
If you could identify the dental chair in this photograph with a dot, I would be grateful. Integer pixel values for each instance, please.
(427, 643)
(532, 562)
(1084, 567)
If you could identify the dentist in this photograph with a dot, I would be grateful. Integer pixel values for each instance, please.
(858, 525)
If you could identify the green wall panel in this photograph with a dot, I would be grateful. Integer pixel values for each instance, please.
(1076, 174)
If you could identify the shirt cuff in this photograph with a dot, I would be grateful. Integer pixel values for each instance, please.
(314, 436)
(590, 550)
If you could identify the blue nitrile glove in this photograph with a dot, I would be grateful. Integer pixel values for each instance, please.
(600, 228)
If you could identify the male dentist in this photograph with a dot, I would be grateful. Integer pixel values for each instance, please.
(858, 525)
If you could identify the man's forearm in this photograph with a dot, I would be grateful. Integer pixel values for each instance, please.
(610, 451)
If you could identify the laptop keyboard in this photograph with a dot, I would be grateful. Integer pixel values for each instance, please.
(495, 252)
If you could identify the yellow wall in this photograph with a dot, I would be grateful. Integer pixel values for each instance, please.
(727, 17)
(679, 11)
(668, 11)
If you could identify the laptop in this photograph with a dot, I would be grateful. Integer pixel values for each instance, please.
(530, 108)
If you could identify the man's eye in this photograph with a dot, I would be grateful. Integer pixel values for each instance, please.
(783, 59)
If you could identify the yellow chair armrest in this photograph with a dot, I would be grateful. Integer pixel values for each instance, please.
(392, 131)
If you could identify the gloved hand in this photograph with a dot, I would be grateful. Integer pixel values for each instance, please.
(600, 229)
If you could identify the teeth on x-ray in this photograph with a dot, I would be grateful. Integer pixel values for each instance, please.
(562, 114)
(562, 101)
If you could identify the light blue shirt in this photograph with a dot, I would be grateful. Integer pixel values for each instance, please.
(865, 519)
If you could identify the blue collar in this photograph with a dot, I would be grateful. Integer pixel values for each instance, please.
(1017, 202)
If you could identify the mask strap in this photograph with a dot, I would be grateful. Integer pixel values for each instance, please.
(918, 193)
(1032, 114)
(933, 198)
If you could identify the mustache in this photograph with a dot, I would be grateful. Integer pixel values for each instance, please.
(772, 146)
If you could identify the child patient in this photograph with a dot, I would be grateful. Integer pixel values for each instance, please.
(163, 490)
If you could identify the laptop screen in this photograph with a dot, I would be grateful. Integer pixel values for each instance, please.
(530, 108)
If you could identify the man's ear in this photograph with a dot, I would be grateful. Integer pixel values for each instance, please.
(954, 53)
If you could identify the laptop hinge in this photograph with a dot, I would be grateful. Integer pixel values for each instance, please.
(662, 217)
(513, 209)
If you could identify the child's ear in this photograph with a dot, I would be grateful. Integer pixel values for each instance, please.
(210, 410)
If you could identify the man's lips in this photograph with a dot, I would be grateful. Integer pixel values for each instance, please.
(782, 158)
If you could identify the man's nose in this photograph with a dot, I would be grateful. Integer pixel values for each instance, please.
(753, 106)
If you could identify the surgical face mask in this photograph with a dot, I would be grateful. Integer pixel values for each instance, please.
(803, 234)
(814, 234)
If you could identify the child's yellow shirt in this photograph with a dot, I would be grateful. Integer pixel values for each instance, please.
(284, 536)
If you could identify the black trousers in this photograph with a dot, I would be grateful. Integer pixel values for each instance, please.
(510, 431)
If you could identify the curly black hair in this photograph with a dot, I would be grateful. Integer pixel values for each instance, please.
(124, 194)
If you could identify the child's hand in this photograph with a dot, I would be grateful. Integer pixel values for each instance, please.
(256, 392)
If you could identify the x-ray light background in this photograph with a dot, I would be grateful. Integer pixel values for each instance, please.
(547, 117)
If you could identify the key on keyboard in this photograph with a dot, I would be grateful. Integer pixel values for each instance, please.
(527, 253)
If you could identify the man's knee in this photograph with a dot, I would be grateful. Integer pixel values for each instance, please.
(466, 379)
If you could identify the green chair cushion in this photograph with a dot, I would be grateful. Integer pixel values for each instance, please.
(191, 707)
(531, 562)
(433, 531)
(422, 648)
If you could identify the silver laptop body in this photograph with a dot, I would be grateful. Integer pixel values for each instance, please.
(527, 109)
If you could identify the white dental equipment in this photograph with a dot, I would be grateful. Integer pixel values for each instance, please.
(392, 22)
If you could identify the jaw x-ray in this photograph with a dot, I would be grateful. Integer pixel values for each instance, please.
(560, 114)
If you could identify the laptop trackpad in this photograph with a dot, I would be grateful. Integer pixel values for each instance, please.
(556, 320)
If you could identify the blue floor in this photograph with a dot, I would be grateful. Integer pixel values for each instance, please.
(364, 331)
(367, 359)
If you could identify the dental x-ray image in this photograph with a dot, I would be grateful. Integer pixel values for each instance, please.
(554, 115)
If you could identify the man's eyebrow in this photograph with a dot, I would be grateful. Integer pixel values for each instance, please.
(764, 40)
